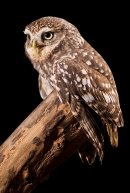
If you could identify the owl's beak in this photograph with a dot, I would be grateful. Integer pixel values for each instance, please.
(37, 48)
(34, 45)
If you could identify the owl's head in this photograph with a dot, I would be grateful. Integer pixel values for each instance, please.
(48, 34)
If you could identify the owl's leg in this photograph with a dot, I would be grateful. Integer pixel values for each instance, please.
(87, 122)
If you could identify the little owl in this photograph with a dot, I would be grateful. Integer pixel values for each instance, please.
(81, 77)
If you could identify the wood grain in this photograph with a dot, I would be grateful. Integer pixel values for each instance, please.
(47, 137)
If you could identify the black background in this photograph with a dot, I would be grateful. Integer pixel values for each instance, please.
(105, 27)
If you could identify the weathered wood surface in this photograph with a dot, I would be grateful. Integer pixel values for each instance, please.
(47, 137)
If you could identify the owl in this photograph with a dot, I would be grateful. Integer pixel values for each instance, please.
(66, 62)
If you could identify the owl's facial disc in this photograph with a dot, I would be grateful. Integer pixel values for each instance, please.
(40, 45)
(46, 36)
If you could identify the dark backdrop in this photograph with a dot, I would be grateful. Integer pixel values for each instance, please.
(105, 27)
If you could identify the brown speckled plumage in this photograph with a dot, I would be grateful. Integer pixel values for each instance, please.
(50, 22)
(82, 78)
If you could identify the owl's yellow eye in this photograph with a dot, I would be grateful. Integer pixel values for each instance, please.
(47, 36)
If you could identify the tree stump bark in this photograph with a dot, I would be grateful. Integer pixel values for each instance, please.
(47, 137)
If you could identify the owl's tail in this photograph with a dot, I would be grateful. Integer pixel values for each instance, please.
(113, 133)
(112, 129)
(90, 131)
(89, 125)
(121, 120)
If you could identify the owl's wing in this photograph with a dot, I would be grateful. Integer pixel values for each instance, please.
(91, 86)
(87, 84)
(95, 61)
(67, 94)
(45, 87)
(98, 93)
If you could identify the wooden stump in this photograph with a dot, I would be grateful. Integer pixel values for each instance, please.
(47, 137)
